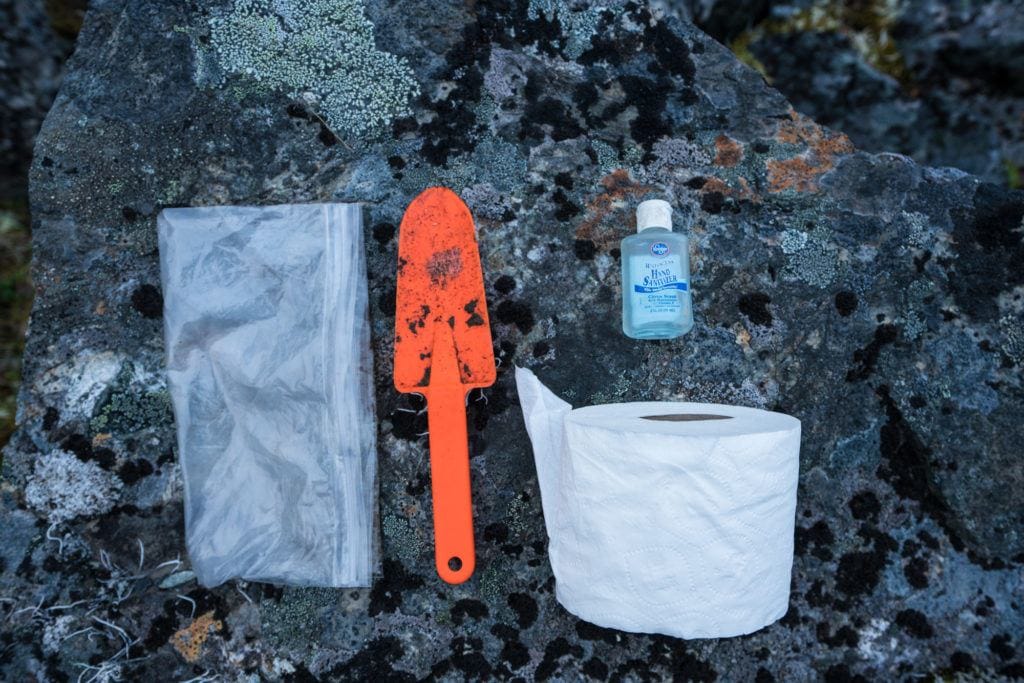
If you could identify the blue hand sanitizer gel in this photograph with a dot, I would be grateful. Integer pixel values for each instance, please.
(656, 276)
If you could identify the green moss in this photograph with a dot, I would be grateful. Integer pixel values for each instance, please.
(867, 24)
(66, 16)
(740, 47)
(319, 50)
(16, 298)
(127, 409)
(1013, 175)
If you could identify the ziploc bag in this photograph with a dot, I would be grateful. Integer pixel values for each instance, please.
(270, 374)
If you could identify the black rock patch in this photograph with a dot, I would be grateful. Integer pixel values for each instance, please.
(846, 302)
(915, 623)
(864, 505)
(133, 470)
(858, 573)
(505, 284)
(51, 418)
(565, 207)
(650, 98)
(916, 572)
(754, 305)
(840, 673)
(1000, 646)
(866, 358)
(819, 536)
(386, 596)
(585, 250)
(670, 50)
(375, 662)
(467, 657)
(555, 650)
(516, 313)
(907, 466)
(467, 607)
(989, 247)
(384, 232)
(525, 608)
(148, 301)
(845, 636)
(712, 202)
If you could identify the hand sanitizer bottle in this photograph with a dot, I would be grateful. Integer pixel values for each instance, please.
(656, 276)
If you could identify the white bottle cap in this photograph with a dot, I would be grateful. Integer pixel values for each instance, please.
(654, 213)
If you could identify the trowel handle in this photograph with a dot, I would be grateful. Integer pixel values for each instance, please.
(454, 555)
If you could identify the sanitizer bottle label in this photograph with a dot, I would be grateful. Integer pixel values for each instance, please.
(658, 287)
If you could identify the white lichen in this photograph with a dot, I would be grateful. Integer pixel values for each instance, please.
(1012, 337)
(55, 632)
(919, 229)
(82, 380)
(493, 160)
(316, 49)
(607, 156)
(63, 487)
(914, 324)
(812, 256)
(485, 201)
(403, 538)
(678, 153)
(506, 74)
(793, 241)
(578, 24)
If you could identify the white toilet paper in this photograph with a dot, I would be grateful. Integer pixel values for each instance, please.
(681, 525)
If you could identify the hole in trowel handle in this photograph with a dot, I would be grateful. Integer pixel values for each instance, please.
(685, 417)
(455, 563)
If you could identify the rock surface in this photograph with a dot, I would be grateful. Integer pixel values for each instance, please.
(938, 80)
(876, 300)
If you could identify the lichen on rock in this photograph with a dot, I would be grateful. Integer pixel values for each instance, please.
(63, 487)
(805, 259)
(320, 49)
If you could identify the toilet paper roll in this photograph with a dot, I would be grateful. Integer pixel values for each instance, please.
(672, 518)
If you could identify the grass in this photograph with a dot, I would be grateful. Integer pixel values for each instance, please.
(15, 304)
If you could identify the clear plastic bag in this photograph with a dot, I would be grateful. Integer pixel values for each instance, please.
(270, 372)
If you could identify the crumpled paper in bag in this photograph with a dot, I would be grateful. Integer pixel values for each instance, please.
(270, 374)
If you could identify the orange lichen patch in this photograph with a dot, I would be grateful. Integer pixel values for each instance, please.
(189, 640)
(618, 187)
(100, 439)
(729, 152)
(801, 173)
(742, 336)
(714, 184)
(743, 191)
(747, 192)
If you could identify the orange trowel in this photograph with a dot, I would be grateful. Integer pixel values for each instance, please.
(443, 350)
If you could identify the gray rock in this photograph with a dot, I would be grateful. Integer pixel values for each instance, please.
(936, 80)
(875, 299)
